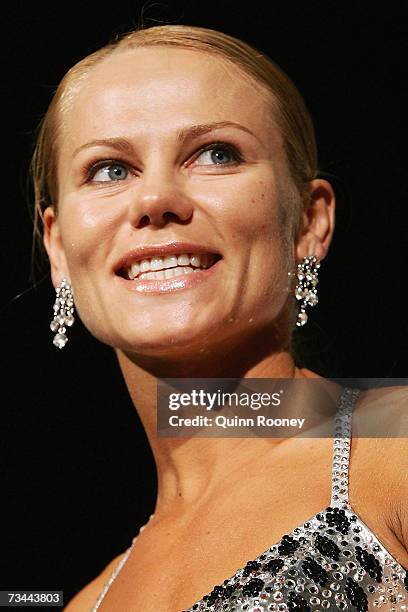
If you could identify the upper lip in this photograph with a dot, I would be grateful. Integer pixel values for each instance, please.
(161, 250)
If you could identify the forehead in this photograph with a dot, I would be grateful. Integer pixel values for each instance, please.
(155, 91)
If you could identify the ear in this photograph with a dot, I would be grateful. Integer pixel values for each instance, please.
(318, 221)
(54, 247)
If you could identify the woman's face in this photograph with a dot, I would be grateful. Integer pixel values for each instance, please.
(163, 179)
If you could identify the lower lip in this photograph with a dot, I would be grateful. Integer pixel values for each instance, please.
(171, 284)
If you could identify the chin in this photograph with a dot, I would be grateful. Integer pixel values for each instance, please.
(159, 343)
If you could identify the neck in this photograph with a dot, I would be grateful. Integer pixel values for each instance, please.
(190, 470)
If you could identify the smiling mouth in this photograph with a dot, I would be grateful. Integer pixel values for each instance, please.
(168, 267)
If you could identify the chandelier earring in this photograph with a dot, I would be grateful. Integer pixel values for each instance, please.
(63, 313)
(305, 290)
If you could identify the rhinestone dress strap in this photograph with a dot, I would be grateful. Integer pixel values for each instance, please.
(341, 448)
(118, 567)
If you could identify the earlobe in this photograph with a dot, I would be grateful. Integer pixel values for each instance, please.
(318, 221)
(53, 246)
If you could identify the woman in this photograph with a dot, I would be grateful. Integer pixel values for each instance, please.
(183, 147)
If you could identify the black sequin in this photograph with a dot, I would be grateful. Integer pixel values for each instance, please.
(215, 594)
(253, 587)
(296, 603)
(406, 581)
(315, 571)
(369, 563)
(327, 547)
(274, 565)
(288, 545)
(251, 566)
(336, 517)
(356, 595)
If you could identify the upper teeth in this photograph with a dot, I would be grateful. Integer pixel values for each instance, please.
(202, 260)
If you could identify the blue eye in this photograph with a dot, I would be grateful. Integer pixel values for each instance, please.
(111, 172)
(218, 155)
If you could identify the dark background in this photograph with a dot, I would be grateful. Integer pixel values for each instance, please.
(78, 474)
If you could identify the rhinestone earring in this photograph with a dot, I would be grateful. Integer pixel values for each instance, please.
(305, 290)
(63, 313)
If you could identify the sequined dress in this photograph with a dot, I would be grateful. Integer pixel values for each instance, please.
(332, 561)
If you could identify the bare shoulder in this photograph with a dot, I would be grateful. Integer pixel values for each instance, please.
(380, 428)
(382, 413)
(381, 419)
(85, 600)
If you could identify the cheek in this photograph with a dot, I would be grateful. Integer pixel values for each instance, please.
(254, 210)
(87, 231)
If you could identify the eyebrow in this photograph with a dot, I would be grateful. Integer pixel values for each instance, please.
(184, 135)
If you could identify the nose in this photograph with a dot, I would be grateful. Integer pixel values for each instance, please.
(160, 198)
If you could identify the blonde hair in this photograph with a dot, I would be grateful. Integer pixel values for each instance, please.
(288, 108)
